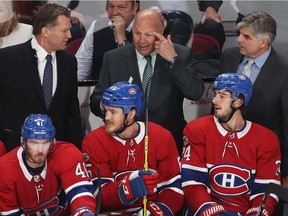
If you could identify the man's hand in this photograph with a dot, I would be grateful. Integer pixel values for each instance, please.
(164, 47)
(119, 25)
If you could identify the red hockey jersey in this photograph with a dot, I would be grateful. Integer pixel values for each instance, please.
(231, 168)
(63, 181)
(117, 158)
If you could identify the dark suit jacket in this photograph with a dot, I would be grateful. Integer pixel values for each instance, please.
(269, 103)
(168, 86)
(21, 94)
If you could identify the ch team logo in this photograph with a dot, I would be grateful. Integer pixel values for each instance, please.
(229, 180)
(51, 207)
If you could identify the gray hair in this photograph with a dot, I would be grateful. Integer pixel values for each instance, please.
(262, 25)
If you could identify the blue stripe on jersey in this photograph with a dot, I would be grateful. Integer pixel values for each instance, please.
(84, 188)
(173, 184)
(191, 174)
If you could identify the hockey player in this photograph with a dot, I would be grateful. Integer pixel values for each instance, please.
(117, 148)
(43, 176)
(227, 161)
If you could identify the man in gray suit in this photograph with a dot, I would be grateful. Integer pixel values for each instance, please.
(173, 77)
(269, 75)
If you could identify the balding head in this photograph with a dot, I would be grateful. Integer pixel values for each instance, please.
(147, 21)
(151, 14)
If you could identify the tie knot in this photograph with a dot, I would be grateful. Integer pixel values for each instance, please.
(250, 62)
(148, 58)
(49, 58)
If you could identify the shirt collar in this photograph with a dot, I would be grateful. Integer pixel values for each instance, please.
(260, 60)
(141, 57)
(129, 28)
(41, 53)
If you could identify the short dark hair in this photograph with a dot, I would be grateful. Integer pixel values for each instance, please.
(47, 16)
(132, 3)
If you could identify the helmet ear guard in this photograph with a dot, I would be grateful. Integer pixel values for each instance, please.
(237, 84)
(126, 96)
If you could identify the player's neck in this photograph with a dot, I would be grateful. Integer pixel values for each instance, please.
(130, 132)
(236, 123)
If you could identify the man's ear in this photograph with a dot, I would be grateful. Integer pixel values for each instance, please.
(237, 103)
(132, 114)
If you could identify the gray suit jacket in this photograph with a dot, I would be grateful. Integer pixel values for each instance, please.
(168, 86)
(269, 102)
(21, 94)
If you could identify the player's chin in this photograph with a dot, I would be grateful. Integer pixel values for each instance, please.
(110, 129)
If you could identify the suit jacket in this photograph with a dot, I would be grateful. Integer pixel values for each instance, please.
(168, 86)
(21, 94)
(268, 105)
(103, 41)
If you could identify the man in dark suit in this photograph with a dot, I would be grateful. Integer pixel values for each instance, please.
(269, 75)
(22, 74)
(115, 33)
(173, 78)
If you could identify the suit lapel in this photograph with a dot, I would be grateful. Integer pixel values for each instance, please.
(133, 68)
(31, 64)
(267, 70)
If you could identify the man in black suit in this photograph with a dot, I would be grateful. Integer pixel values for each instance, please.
(173, 78)
(21, 79)
(269, 75)
(115, 33)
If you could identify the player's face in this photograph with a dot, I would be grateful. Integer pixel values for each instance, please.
(123, 9)
(222, 104)
(37, 151)
(114, 119)
(249, 44)
(58, 35)
(143, 37)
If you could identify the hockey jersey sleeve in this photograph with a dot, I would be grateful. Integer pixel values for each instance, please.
(74, 179)
(268, 170)
(195, 178)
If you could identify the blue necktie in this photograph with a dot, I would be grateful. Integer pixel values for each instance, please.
(147, 75)
(48, 81)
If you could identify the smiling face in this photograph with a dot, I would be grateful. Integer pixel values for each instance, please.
(146, 22)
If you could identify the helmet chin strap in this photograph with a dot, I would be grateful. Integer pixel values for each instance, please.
(230, 116)
(125, 125)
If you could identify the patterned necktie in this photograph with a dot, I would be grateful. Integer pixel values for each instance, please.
(147, 75)
(248, 68)
(48, 81)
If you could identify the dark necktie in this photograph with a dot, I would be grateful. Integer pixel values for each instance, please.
(147, 75)
(48, 81)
